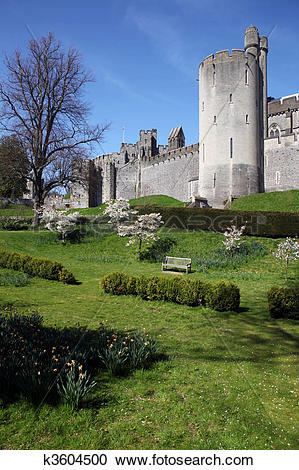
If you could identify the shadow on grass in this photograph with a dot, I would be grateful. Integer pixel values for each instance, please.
(251, 339)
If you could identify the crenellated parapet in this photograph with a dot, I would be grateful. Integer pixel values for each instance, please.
(171, 154)
(283, 105)
(224, 56)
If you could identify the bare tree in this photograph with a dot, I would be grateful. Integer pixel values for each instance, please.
(42, 104)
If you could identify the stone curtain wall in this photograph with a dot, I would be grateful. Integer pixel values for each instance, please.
(282, 164)
(127, 180)
(173, 177)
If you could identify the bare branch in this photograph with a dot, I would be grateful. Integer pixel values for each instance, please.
(42, 104)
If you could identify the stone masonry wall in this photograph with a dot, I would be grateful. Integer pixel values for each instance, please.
(176, 177)
(127, 180)
(282, 163)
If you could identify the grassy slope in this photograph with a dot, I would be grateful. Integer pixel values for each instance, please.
(157, 200)
(16, 210)
(160, 200)
(282, 201)
(277, 201)
(229, 384)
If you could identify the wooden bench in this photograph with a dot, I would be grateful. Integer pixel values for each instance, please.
(178, 263)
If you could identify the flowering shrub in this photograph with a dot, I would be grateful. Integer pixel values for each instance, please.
(143, 229)
(233, 237)
(287, 251)
(60, 222)
(119, 211)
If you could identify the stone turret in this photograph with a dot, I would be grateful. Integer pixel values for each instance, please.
(147, 145)
(231, 121)
(176, 138)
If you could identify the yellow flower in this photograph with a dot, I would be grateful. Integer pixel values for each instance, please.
(73, 362)
(38, 373)
(54, 370)
(81, 376)
(80, 367)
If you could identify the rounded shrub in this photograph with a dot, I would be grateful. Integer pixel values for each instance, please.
(223, 296)
(284, 302)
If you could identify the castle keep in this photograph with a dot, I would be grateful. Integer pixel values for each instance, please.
(246, 144)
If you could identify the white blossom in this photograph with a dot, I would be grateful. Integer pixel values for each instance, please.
(119, 211)
(287, 251)
(144, 228)
(233, 237)
(60, 221)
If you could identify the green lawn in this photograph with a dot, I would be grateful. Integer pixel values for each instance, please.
(230, 382)
(15, 210)
(280, 201)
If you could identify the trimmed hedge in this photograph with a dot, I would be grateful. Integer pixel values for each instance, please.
(40, 267)
(284, 302)
(259, 223)
(222, 296)
(15, 223)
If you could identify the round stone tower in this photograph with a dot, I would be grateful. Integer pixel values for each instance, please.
(232, 91)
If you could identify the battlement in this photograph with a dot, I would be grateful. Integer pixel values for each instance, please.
(284, 104)
(148, 132)
(172, 154)
(223, 56)
(127, 146)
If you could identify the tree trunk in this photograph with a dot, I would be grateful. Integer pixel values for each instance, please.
(139, 249)
(39, 198)
(37, 208)
(286, 273)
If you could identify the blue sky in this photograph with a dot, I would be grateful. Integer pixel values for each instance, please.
(145, 53)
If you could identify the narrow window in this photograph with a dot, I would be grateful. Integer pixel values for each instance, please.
(231, 98)
(231, 147)
(215, 119)
(247, 119)
(203, 106)
(203, 153)
(214, 78)
(277, 177)
(214, 180)
(246, 77)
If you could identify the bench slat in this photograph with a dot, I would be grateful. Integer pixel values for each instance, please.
(179, 263)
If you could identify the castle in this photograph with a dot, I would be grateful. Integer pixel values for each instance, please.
(247, 143)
